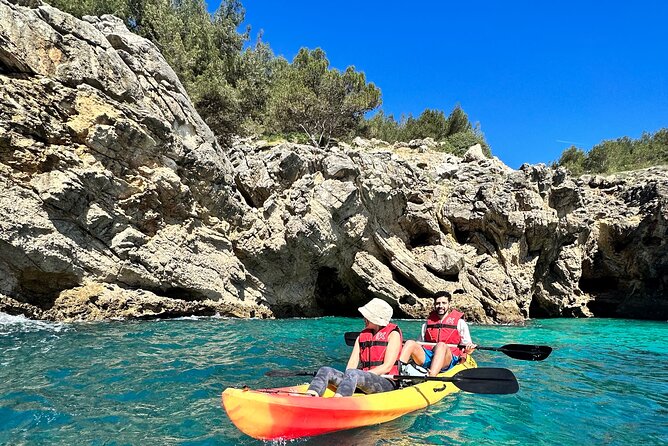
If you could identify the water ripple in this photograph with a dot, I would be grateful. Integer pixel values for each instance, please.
(159, 382)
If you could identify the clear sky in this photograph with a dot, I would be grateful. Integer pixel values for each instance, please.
(538, 76)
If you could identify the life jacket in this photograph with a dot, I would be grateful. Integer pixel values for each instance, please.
(373, 347)
(445, 330)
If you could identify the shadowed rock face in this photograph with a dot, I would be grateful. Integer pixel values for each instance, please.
(117, 201)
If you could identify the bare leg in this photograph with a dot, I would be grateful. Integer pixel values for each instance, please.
(442, 357)
(413, 350)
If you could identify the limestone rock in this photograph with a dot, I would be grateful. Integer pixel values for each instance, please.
(101, 155)
(95, 302)
(117, 201)
(474, 153)
(15, 308)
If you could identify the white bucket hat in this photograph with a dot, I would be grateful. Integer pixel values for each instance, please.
(377, 311)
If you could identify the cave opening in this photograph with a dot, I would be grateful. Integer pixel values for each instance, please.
(42, 288)
(181, 293)
(597, 285)
(462, 236)
(420, 238)
(538, 310)
(420, 233)
(601, 306)
(332, 295)
(608, 294)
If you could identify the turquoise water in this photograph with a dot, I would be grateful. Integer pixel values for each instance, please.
(159, 382)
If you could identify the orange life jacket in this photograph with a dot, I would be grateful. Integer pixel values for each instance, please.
(444, 330)
(373, 347)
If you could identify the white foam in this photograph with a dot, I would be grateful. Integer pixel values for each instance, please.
(9, 323)
(188, 318)
(200, 318)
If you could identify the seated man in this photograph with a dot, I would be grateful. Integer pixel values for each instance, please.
(446, 329)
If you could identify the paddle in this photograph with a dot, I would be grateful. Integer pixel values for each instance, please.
(279, 372)
(516, 351)
(486, 380)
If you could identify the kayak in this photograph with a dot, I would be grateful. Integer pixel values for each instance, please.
(287, 413)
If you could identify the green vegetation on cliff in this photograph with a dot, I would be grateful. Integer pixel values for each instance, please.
(455, 132)
(618, 155)
(245, 89)
(309, 96)
(242, 89)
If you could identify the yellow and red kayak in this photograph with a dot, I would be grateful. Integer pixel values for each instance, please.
(284, 413)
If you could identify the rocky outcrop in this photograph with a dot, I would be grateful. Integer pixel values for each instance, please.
(94, 302)
(402, 224)
(117, 201)
(108, 175)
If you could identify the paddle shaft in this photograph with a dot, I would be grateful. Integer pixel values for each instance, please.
(462, 346)
(515, 351)
(485, 380)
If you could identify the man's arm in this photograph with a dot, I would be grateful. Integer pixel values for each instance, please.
(422, 332)
(463, 329)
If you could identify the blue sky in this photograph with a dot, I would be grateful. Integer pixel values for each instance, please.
(537, 76)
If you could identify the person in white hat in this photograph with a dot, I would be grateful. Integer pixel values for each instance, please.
(376, 353)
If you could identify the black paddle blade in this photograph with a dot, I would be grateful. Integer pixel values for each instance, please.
(278, 372)
(487, 380)
(351, 337)
(526, 352)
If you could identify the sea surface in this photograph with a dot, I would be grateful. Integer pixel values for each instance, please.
(159, 382)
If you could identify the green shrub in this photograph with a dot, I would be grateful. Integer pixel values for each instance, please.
(618, 155)
(322, 102)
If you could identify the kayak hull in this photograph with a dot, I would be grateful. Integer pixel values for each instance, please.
(282, 413)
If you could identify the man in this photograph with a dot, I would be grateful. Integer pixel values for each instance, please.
(443, 331)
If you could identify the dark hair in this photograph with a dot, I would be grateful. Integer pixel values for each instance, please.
(442, 294)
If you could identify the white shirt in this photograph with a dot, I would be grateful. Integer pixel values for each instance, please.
(462, 328)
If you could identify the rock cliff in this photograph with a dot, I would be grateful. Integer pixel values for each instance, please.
(117, 201)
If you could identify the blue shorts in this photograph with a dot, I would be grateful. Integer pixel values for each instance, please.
(429, 354)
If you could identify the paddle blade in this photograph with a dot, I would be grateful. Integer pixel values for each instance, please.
(526, 352)
(487, 380)
(279, 372)
(351, 337)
